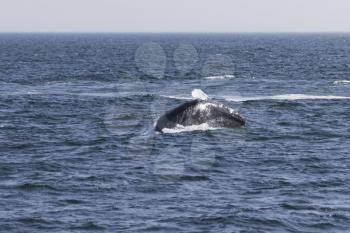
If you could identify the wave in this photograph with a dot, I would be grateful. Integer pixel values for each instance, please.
(220, 77)
(339, 82)
(181, 128)
(289, 97)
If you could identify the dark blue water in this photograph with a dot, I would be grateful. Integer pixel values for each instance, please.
(78, 151)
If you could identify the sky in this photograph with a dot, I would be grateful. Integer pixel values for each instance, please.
(174, 16)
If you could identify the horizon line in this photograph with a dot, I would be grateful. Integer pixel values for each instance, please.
(174, 32)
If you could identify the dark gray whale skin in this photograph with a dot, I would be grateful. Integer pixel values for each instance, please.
(188, 113)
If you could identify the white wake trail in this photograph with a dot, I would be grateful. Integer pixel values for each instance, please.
(220, 77)
(290, 97)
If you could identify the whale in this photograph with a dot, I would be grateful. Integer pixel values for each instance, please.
(199, 111)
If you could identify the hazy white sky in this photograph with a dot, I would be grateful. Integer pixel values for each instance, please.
(174, 15)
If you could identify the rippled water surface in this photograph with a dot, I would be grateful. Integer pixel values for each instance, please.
(78, 151)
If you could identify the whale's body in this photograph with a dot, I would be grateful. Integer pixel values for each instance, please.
(197, 112)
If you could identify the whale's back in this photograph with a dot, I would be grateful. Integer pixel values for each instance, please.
(197, 112)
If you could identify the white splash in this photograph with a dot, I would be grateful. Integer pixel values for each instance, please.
(199, 94)
(338, 82)
(181, 128)
(220, 77)
(289, 97)
(204, 106)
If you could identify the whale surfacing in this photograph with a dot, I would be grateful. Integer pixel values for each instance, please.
(197, 112)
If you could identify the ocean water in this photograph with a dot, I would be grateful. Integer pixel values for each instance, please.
(78, 151)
